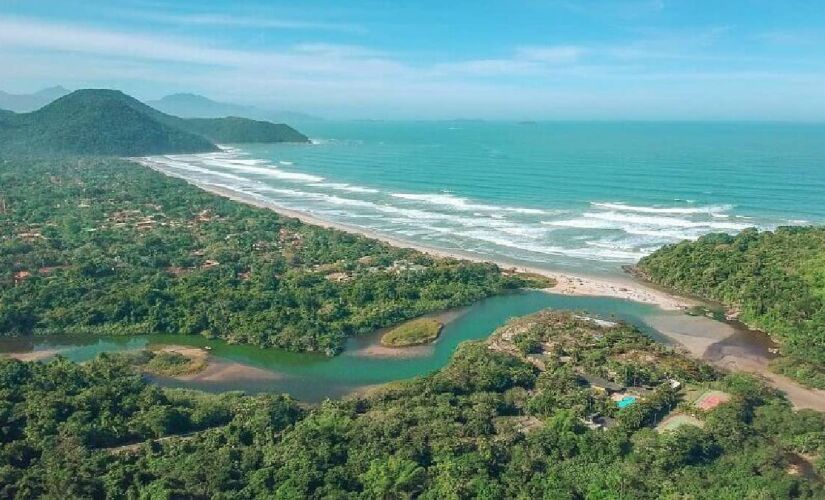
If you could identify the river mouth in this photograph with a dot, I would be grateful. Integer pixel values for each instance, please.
(314, 377)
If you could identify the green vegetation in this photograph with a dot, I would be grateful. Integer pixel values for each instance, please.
(492, 424)
(773, 281)
(242, 130)
(108, 122)
(415, 332)
(109, 247)
(170, 362)
(100, 122)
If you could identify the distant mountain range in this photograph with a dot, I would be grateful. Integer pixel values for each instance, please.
(24, 103)
(109, 122)
(198, 106)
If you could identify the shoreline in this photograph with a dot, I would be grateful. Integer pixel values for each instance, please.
(566, 283)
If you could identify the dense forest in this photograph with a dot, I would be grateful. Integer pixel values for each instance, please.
(774, 281)
(108, 122)
(507, 418)
(105, 246)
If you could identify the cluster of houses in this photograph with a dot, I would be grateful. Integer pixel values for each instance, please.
(336, 273)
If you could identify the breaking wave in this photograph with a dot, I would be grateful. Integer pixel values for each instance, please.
(605, 231)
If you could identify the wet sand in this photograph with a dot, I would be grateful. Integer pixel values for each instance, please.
(735, 348)
(32, 355)
(228, 371)
(212, 369)
(626, 288)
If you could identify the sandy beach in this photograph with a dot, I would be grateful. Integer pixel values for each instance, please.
(626, 288)
(33, 355)
(226, 371)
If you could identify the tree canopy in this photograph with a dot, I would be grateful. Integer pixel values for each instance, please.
(109, 247)
(494, 423)
(109, 122)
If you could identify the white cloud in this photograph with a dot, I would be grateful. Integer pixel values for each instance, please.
(557, 54)
(307, 58)
(262, 22)
(642, 78)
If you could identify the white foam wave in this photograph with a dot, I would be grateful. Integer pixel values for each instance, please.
(341, 186)
(269, 171)
(604, 231)
(163, 162)
(240, 161)
(459, 203)
(661, 221)
(613, 255)
(661, 210)
(327, 198)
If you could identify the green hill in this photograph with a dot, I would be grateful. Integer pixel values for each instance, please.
(109, 122)
(239, 130)
(98, 122)
(774, 281)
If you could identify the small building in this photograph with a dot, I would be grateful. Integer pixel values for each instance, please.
(601, 384)
(596, 421)
(21, 276)
(338, 277)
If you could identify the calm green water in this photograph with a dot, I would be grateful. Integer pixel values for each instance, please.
(314, 377)
(586, 197)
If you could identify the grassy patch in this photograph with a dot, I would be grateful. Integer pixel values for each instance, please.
(535, 280)
(172, 363)
(416, 332)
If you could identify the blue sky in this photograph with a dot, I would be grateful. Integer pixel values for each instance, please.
(528, 59)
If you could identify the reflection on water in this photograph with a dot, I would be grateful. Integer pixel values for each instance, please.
(314, 377)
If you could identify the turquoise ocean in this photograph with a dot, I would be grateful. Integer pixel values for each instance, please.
(579, 197)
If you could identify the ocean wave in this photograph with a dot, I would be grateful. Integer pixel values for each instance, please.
(162, 162)
(601, 231)
(342, 186)
(647, 220)
(241, 161)
(269, 171)
(711, 209)
(327, 198)
(613, 255)
(459, 203)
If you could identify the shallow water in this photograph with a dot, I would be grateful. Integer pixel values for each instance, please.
(314, 377)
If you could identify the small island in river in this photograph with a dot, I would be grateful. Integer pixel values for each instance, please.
(172, 361)
(414, 332)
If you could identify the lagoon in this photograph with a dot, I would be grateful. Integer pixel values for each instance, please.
(314, 377)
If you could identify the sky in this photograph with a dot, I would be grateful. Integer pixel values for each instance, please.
(514, 59)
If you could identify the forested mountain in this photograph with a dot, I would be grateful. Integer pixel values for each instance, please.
(108, 122)
(239, 130)
(25, 103)
(99, 122)
(494, 423)
(774, 281)
(106, 246)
